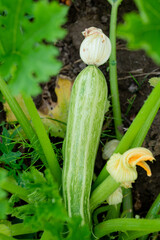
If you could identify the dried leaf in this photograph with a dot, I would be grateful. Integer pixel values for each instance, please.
(55, 114)
(10, 117)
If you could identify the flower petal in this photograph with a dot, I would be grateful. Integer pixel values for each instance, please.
(146, 167)
(123, 167)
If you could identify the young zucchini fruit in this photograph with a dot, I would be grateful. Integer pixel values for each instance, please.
(86, 114)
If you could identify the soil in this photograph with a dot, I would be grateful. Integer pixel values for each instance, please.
(130, 64)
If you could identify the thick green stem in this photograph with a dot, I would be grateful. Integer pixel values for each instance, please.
(43, 138)
(153, 211)
(11, 186)
(20, 229)
(113, 70)
(126, 224)
(98, 211)
(4, 237)
(127, 203)
(22, 119)
(138, 141)
(136, 132)
(102, 192)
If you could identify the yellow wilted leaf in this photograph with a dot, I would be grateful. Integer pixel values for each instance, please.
(54, 115)
(10, 117)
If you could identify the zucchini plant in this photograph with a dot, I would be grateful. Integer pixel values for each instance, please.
(42, 213)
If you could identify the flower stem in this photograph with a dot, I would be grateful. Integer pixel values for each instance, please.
(43, 139)
(136, 132)
(102, 192)
(125, 224)
(127, 203)
(113, 70)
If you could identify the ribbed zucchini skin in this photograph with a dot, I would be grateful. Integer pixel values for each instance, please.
(86, 115)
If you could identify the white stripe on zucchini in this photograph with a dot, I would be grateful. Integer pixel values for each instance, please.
(86, 114)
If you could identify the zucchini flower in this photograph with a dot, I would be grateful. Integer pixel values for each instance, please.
(109, 148)
(95, 48)
(123, 167)
(116, 197)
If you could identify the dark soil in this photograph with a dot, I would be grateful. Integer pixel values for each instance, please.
(130, 64)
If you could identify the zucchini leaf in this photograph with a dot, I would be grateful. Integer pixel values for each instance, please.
(28, 31)
(142, 31)
(46, 210)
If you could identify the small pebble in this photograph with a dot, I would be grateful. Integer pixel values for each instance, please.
(133, 88)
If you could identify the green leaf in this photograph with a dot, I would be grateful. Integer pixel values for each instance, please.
(35, 66)
(28, 31)
(142, 31)
(76, 230)
(10, 157)
(46, 209)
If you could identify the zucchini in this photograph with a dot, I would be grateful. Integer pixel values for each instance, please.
(86, 114)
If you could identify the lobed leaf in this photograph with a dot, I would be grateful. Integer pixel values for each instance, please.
(26, 58)
(142, 31)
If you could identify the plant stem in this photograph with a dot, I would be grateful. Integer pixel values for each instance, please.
(138, 141)
(22, 119)
(126, 224)
(43, 138)
(102, 192)
(114, 211)
(127, 203)
(20, 229)
(113, 70)
(153, 211)
(143, 119)
(4, 237)
(98, 211)
(11, 186)
(132, 235)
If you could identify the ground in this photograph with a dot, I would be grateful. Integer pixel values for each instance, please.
(130, 64)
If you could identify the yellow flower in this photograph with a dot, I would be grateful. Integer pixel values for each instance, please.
(123, 167)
